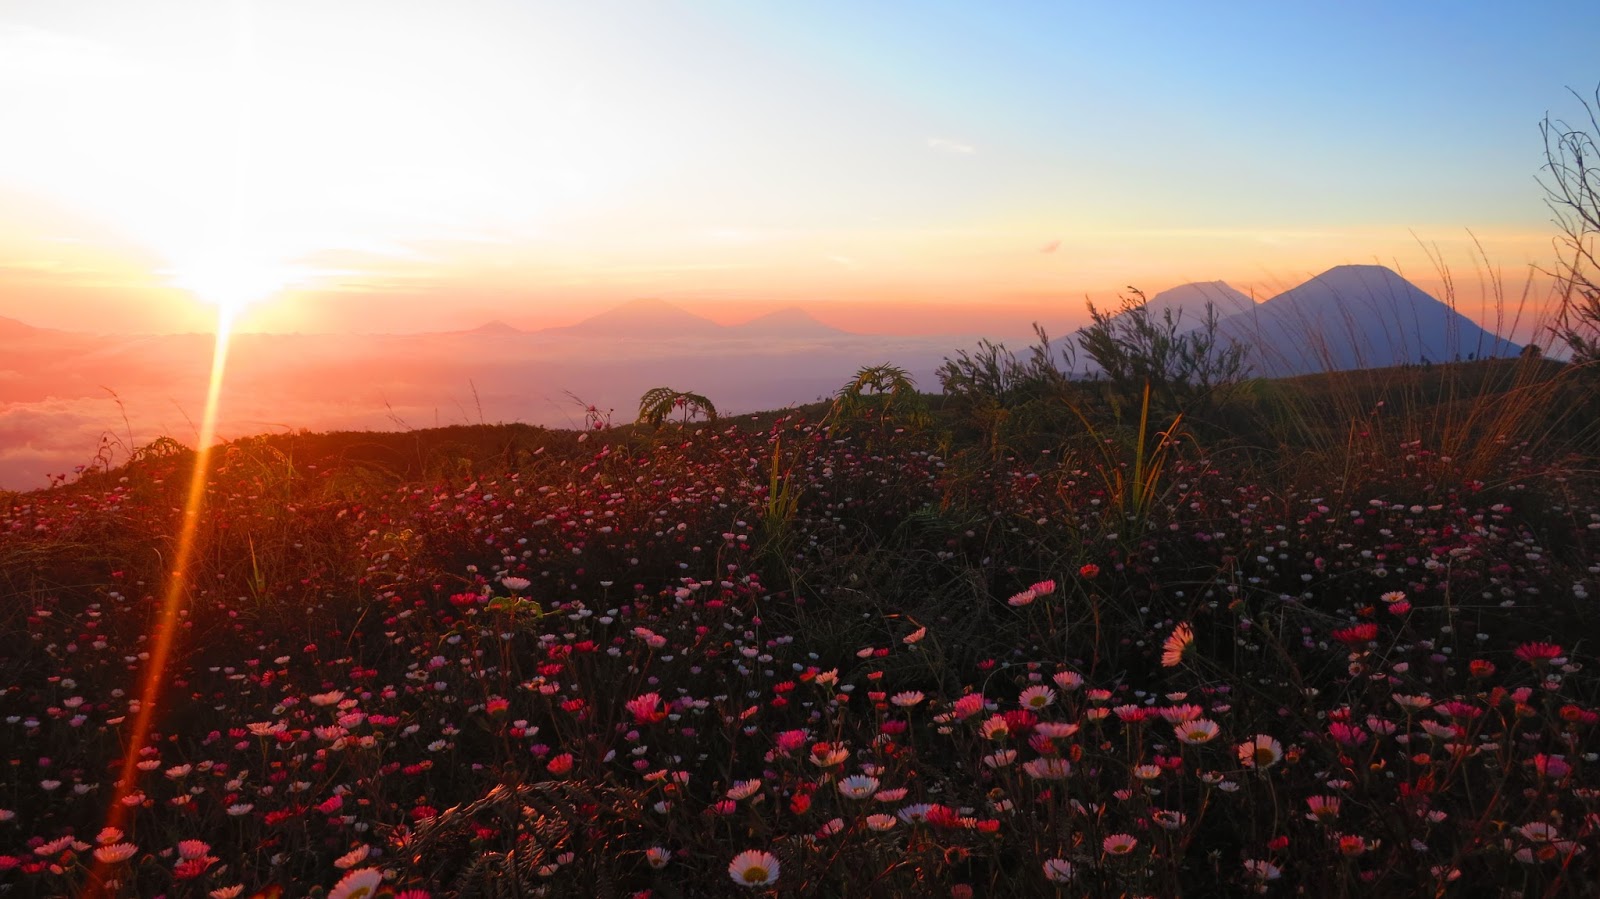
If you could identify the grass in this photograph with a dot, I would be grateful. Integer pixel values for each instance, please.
(1337, 641)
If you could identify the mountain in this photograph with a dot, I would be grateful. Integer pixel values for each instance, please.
(1188, 303)
(1357, 316)
(10, 329)
(790, 322)
(496, 328)
(642, 319)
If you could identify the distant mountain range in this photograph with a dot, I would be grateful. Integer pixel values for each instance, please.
(658, 319)
(1348, 317)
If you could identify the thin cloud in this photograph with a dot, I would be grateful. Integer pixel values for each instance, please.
(1050, 247)
(945, 145)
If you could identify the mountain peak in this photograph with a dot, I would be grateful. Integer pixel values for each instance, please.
(496, 328)
(643, 318)
(1358, 316)
(790, 321)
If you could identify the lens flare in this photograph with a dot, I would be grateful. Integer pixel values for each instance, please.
(175, 598)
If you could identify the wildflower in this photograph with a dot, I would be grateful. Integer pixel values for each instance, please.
(907, 699)
(1262, 870)
(1358, 634)
(108, 835)
(1119, 844)
(1177, 643)
(1323, 808)
(239, 809)
(1537, 653)
(753, 868)
(743, 789)
(658, 856)
(1068, 680)
(1168, 819)
(880, 822)
(352, 858)
(1089, 571)
(231, 892)
(1047, 768)
(968, 705)
(914, 636)
(193, 849)
(1043, 588)
(358, 884)
(515, 583)
(995, 728)
(858, 786)
(646, 708)
(1037, 697)
(1394, 596)
(115, 852)
(1198, 731)
(1057, 870)
(1055, 730)
(1000, 759)
(1260, 752)
(327, 699)
(1024, 598)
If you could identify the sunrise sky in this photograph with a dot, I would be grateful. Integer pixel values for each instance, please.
(910, 167)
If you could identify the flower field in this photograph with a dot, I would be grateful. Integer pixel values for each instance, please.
(772, 656)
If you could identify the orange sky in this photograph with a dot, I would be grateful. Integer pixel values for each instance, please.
(362, 167)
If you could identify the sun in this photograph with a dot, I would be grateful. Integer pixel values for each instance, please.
(230, 283)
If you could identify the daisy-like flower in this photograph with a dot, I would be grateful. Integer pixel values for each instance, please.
(743, 789)
(1119, 844)
(1323, 808)
(115, 852)
(230, 892)
(1146, 772)
(1043, 588)
(658, 856)
(1057, 870)
(239, 809)
(1196, 732)
(1262, 751)
(332, 697)
(1176, 644)
(1000, 759)
(1055, 730)
(1168, 819)
(1537, 653)
(352, 858)
(754, 868)
(646, 708)
(1023, 598)
(1068, 680)
(858, 786)
(193, 849)
(515, 583)
(1262, 870)
(880, 822)
(914, 636)
(358, 884)
(907, 699)
(1036, 697)
(1394, 596)
(1047, 768)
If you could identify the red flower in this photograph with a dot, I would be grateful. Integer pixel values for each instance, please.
(1357, 634)
(1089, 571)
(1535, 653)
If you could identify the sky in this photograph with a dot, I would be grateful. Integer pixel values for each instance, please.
(397, 166)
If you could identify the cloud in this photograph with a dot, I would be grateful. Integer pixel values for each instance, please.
(944, 145)
(1050, 247)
